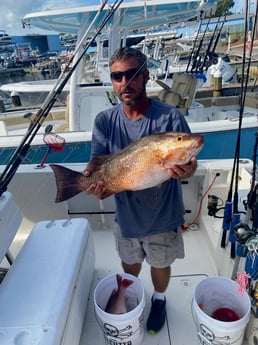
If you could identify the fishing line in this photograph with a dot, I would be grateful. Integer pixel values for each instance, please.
(41, 115)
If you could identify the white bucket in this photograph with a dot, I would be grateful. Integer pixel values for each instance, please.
(120, 329)
(219, 292)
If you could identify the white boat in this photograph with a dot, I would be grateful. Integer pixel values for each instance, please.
(64, 250)
(32, 93)
(5, 39)
(86, 99)
(57, 253)
(216, 118)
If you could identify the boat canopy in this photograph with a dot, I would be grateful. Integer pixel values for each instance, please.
(130, 15)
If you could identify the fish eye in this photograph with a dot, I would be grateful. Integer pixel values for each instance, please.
(179, 138)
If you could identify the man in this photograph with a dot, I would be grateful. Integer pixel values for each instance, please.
(148, 221)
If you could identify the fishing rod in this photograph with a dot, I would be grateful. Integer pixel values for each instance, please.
(196, 55)
(209, 47)
(195, 41)
(210, 54)
(251, 194)
(247, 237)
(228, 217)
(41, 115)
(236, 214)
(242, 232)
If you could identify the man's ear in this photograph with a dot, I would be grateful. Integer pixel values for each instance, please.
(146, 75)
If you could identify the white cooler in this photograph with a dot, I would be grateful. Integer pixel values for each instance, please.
(44, 296)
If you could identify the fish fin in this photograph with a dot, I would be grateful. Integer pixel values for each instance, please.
(95, 163)
(127, 282)
(119, 279)
(123, 282)
(67, 182)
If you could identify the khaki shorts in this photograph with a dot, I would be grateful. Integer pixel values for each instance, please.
(159, 250)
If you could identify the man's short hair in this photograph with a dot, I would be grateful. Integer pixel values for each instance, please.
(128, 52)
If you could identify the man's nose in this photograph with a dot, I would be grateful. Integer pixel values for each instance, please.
(126, 80)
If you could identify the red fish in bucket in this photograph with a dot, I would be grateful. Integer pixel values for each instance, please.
(117, 303)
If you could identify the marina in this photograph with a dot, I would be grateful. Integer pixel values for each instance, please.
(55, 255)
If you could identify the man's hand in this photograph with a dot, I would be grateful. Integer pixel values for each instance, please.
(97, 189)
(183, 171)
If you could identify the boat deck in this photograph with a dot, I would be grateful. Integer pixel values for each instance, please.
(180, 328)
(186, 274)
(203, 254)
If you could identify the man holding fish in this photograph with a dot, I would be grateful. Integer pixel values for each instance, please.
(147, 221)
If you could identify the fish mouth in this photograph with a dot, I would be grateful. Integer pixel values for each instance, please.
(197, 145)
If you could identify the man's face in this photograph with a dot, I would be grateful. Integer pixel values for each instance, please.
(129, 86)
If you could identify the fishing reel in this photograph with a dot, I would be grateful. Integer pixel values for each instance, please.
(243, 233)
(213, 203)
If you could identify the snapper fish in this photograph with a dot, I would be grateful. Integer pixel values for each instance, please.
(142, 164)
(117, 300)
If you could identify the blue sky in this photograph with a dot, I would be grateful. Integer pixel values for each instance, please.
(12, 11)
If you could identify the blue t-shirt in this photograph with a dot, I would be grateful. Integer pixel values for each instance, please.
(153, 210)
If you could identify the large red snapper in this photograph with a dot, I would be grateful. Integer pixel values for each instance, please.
(142, 164)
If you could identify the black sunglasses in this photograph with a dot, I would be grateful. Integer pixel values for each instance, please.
(129, 74)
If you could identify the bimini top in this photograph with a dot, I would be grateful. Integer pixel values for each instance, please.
(129, 16)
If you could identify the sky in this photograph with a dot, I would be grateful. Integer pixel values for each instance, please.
(12, 11)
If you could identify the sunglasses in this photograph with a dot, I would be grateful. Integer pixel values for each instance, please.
(129, 74)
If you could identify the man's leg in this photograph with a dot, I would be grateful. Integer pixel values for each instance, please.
(133, 269)
(160, 278)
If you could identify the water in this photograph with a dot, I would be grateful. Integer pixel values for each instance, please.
(5, 79)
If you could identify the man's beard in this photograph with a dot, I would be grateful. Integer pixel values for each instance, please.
(136, 99)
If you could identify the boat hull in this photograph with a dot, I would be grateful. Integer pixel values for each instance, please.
(218, 145)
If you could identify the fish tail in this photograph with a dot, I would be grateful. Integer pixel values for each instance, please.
(67, 182)
(123, 282)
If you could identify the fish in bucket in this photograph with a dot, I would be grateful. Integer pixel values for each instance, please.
(220, 311)
(119, 302)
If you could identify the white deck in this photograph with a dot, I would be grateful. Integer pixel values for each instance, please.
(186, 273)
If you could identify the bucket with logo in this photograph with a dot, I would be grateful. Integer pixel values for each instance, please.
(220, 312)
(120, 315)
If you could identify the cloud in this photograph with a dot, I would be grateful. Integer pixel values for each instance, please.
(57, 4)
(12, 11)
